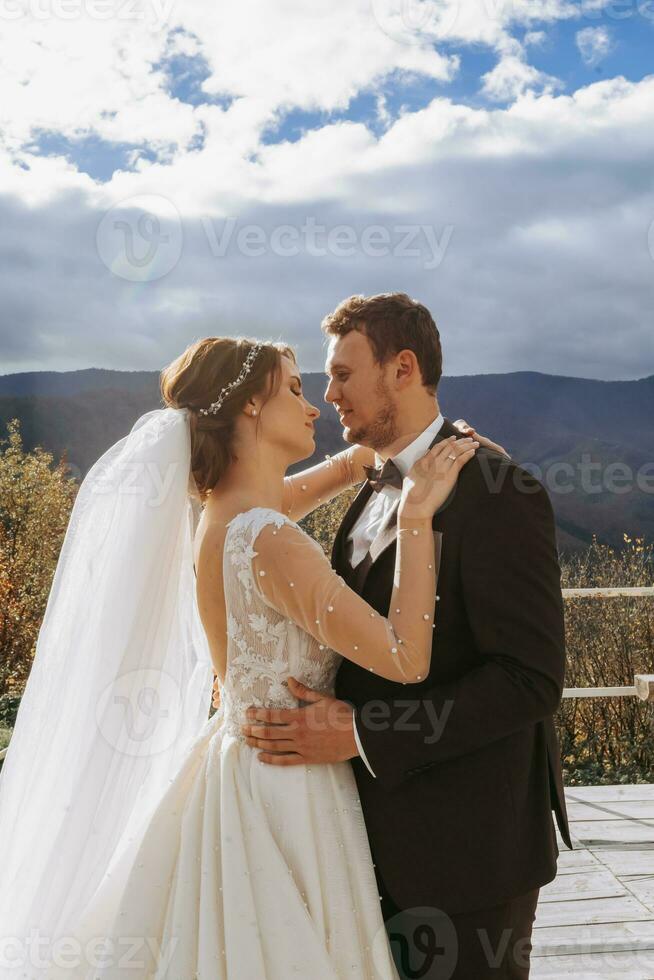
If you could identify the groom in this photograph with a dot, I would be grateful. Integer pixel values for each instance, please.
(457, 775)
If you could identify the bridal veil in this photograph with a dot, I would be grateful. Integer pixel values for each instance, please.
(119, 688)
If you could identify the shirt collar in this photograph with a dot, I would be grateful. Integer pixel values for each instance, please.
(412, 453)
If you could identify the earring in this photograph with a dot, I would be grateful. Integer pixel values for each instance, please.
(254, 411)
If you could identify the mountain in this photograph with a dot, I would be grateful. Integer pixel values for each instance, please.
(590, 442)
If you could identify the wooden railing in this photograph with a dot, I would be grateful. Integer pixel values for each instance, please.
(643, 686)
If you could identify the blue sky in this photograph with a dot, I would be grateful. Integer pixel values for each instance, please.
(630, 36)
(557, 54)
(511, 137)
(630, 54)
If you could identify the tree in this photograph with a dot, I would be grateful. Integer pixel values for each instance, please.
(36, 499)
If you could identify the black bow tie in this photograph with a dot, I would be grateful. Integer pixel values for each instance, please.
(388, 476)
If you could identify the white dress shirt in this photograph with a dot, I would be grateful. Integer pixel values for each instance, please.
(373, 515)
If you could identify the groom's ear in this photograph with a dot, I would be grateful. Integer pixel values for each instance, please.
(406, 365)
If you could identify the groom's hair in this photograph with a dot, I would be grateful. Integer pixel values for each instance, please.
(392, 322)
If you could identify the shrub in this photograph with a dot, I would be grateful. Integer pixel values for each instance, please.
(608, 640)
(35, 504)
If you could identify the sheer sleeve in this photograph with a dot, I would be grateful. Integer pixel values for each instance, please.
(293, 576)
(306, 490)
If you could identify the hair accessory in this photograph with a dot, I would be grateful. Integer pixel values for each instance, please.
(245, 370)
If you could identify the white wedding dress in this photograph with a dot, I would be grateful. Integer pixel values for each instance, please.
(247, 871)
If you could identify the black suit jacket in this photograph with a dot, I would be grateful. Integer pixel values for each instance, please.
(467, 762)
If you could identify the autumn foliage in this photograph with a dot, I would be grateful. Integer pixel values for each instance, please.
(36, 498)
(603, 740)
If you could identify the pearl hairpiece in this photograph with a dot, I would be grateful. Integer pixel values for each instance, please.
(245, 370)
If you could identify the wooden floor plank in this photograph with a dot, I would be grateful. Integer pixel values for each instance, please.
(632, 965)
(624, 861)
(593, 938)
(579, 860)
(595, 921)
(624, 908)
(582, 885)
(642, 889)
(595, 834)
(644, 791)
(611, 810)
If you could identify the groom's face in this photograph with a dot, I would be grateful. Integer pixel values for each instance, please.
(358, 389)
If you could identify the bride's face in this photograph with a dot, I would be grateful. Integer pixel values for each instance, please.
(288, 418)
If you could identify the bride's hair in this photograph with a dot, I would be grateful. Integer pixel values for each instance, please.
(195, 379)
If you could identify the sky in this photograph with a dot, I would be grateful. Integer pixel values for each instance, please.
(175, 169)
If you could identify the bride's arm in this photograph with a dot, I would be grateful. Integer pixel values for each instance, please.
(306, 490)
(293, 575)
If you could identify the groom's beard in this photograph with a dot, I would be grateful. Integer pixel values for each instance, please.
(382, 431)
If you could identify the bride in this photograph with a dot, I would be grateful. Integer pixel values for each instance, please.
(141, 839)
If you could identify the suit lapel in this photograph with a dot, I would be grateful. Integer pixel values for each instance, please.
(387, 534)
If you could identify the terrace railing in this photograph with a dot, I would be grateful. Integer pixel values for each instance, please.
(643, 686)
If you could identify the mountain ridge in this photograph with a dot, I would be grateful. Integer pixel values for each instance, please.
(552, 424)
(12, 377)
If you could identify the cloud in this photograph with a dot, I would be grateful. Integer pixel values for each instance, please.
(513, 77)
(535, 38)
(107, 75)
(594, 44)
(524, 229)
(520, 219)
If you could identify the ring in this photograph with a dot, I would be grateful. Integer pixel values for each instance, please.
(451, 456)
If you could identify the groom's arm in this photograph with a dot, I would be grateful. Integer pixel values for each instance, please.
(511, 587)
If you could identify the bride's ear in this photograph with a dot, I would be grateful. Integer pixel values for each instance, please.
(250, 407)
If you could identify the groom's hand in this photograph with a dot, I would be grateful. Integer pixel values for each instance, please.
(323, 731)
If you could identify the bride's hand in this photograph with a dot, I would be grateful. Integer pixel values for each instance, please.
(362, 456)
(215, 700)
(430, 480)
(469, 430)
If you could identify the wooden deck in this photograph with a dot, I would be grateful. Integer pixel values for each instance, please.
(595, 921)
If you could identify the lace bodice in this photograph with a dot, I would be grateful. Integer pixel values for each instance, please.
(288, 612)
(263, 647)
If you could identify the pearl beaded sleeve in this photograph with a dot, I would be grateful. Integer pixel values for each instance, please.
(306, 490)
(293, 576)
